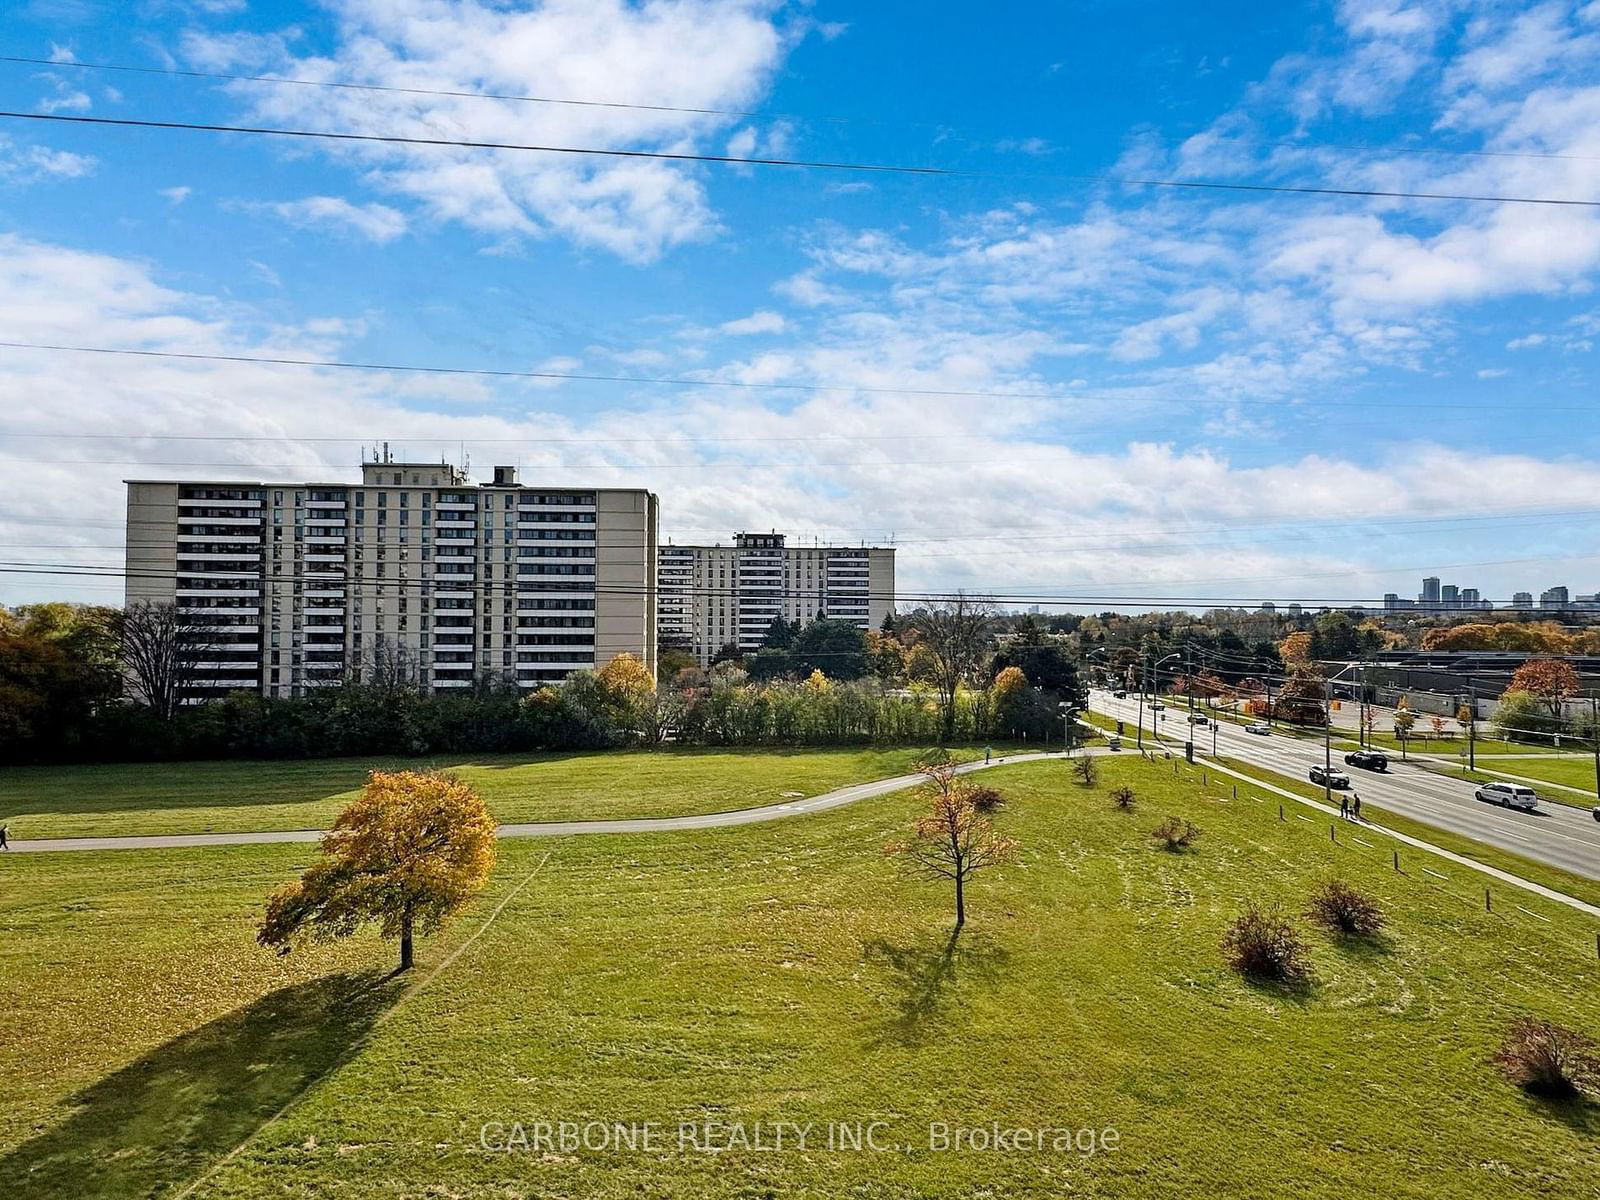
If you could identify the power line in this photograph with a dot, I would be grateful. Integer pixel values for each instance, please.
(531, 586)
(684, 381)
(460, 94)
(1176, 538)
(1030, 532)
(470, 94)
(809, 164)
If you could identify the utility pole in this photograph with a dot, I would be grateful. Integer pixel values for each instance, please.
(1327, 739)
(1472, 724)
(1594, 732)
(1144, 671)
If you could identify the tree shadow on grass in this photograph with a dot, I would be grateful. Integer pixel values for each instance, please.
(160, 1121)
(1363, 945)
(926, 973)
(1578, 1112)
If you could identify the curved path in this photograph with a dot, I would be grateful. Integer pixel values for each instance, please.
(738, 816)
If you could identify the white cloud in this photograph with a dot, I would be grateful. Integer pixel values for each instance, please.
(705, 54)
(841, 464)
(1527, 342)
(65, 100)
(375, 222)
(762, 321)
(177, 195)
(1493, 373)
(29, 164)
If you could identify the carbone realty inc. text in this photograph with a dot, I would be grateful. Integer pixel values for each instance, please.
(715, 1137)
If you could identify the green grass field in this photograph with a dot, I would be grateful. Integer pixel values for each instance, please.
(228, 797)
(1572, 772)
(788, 972)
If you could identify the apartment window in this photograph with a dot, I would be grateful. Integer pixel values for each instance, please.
(383, 499)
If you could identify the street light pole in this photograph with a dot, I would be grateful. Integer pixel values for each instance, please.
(1144, 674)
(1594, 737)
(1472, 724)
(1327, 740)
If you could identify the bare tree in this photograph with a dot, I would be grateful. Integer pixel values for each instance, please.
(953, 840)
(392, 666)
(956, 636)
(161, 646)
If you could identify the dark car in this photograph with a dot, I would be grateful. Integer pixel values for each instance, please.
(1368, 760)
(1337, 780)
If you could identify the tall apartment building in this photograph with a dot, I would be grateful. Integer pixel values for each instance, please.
(415, 570)
(711, 596)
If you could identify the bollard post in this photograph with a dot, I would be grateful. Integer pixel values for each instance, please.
(1333, 834)
(1487, 906)
(1236, 791)
(1280, 811)
(1397, 860)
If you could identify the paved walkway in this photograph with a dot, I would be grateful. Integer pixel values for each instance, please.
(739, 816)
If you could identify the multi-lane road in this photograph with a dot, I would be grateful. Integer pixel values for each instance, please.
(1558, 834)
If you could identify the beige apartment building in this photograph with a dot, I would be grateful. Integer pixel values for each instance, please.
(416, 572)
(713, 596)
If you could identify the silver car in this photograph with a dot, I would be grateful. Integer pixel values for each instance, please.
(1509, 795)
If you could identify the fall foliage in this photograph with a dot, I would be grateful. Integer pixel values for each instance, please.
(1552, 680)
(1295, 649)
(408, 853)
(953, 840)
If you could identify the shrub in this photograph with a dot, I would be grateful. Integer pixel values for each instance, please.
(985, 799)
(1087, 771)
(1176, 834)
(1548, 1059)
(1263, 944)
(1123, 797)
(1338, 906)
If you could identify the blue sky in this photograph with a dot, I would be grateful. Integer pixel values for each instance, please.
(1181, 392)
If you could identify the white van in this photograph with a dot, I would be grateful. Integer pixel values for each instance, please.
(1509, 795)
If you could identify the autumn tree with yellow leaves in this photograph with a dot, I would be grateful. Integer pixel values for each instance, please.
(408, 853)
(953, 840)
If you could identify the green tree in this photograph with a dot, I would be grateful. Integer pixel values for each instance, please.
(836, 648)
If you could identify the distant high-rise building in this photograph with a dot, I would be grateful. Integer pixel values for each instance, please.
(713, 596)
(1392, 602)
(1430, 592)
(1450, 596)
(1521, 599)
(299, 586)
(1555, 597)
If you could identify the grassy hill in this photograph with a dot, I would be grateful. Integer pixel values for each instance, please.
(787, 972)
(230, 797)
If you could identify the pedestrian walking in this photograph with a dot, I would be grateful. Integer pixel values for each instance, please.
(1355, 805)
(986, 753)
(4, 845)
(1344, 805)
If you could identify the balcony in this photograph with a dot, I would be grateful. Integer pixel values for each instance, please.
(197, 519)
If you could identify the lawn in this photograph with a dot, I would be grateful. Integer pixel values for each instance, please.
(1572, 772)
(1422, 741)
(788, 972)
(226, 797)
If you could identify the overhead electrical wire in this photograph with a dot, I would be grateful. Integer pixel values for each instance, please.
(523, 586)
(470, 94)
(685, 381)
(807, 164)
